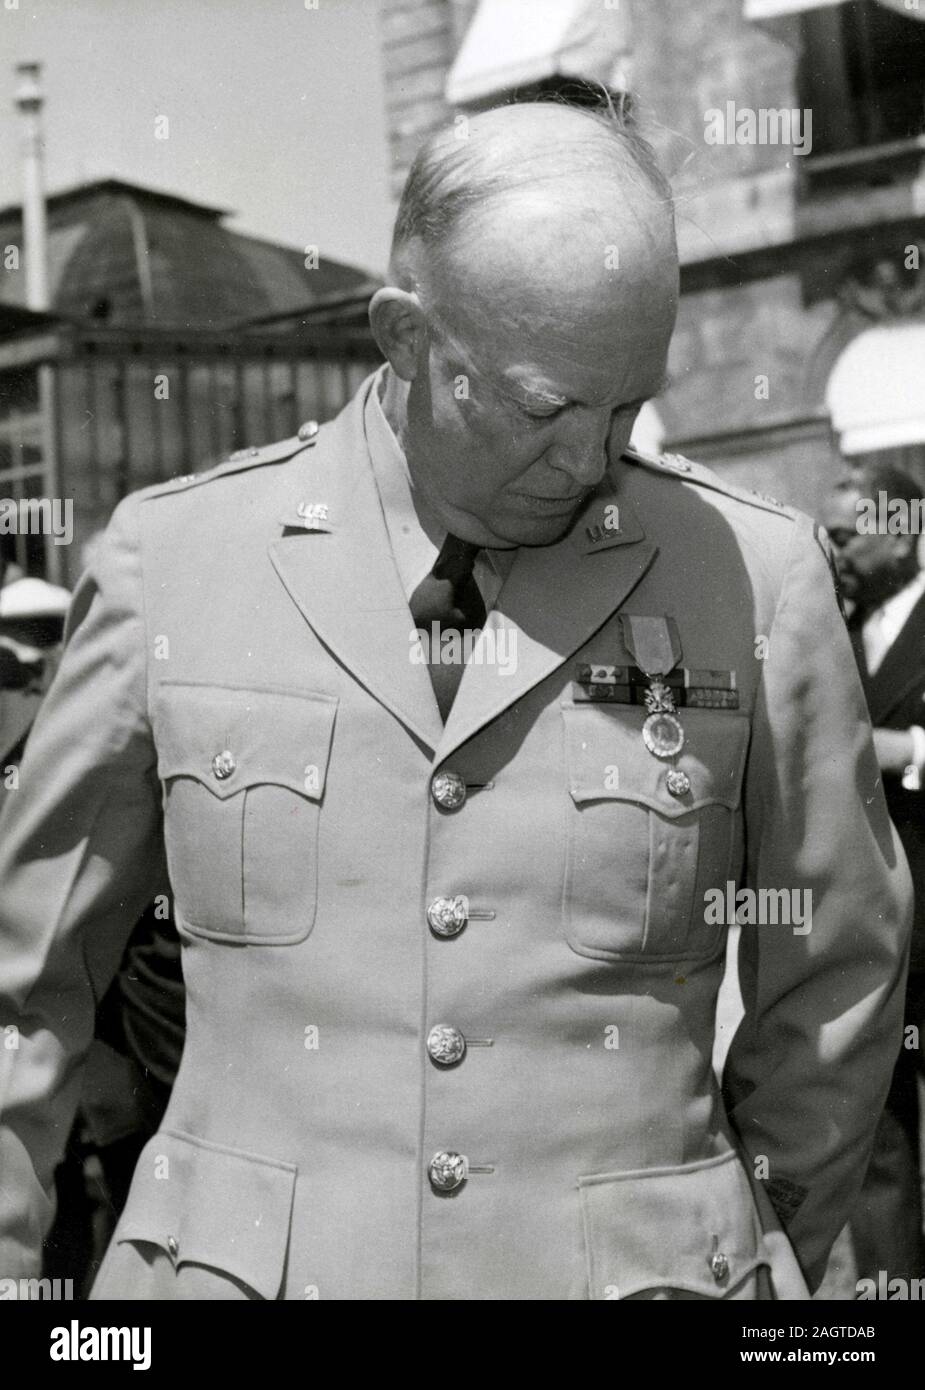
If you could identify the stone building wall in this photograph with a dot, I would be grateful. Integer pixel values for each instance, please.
(778, 274)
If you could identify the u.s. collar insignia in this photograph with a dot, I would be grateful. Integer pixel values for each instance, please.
(313, 514)
(309, 516)
(612, 522)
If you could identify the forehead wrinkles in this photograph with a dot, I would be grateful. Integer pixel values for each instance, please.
(534, 292)
(546, 346)
(533, 236)
(561, 277)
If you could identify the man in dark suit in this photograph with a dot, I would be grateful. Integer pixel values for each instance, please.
(884, 587)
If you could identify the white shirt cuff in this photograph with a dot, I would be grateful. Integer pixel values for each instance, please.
(918, 746)
(912, 776)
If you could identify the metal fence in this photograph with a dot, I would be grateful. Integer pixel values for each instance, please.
(129, 410)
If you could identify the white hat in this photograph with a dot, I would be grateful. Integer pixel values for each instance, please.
(33, 598)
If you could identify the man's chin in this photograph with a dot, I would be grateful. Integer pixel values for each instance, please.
(537, 530)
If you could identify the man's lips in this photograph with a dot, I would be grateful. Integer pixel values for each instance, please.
(547, 503)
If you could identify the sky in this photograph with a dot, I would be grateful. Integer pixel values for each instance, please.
(275, 109)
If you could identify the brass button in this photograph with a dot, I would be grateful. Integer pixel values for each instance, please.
(447, 917)
(679, 784)
(448, 790)
(308, 430)
(173, 1247)
(447, 1171)
(719, 1267)
(445, 1045)
(223, 765)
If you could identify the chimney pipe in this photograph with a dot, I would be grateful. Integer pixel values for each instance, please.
(30, 100)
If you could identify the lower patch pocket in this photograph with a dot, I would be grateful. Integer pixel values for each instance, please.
(687, 1232)
(219, 1216)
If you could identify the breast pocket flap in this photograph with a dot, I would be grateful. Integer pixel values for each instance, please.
(608, 759)
(228, 739)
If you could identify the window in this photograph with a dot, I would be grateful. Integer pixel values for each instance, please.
(22, 473)
(862, 73)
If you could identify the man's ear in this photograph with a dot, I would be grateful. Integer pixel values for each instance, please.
(399, 328)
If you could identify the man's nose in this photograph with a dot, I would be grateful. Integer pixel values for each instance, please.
(580, 449)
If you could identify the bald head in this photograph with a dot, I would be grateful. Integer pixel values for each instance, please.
(534, 291)
(547, 155)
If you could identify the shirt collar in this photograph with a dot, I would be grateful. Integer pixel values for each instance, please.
(413, 549)
(891, 616)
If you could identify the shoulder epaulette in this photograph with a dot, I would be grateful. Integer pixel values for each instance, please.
(242, 458)
(821, 537)
(705, 477)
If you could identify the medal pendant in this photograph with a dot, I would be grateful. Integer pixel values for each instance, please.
(663, 735)
(655, 646)
(662, 732)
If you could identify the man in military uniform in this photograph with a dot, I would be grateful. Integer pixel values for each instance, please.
(139, 1024)
(456, 715)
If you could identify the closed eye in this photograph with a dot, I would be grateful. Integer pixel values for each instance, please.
(541, 413)
(550, 412)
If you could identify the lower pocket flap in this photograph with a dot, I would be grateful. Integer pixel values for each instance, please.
(209, 1205)
(694, 1228)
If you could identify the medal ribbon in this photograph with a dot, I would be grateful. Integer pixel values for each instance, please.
(654, 643)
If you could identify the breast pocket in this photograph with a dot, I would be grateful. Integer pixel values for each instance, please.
(640, 859)
(244, 773)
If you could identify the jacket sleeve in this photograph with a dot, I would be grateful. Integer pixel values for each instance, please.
(80, 856)
(809, 1068)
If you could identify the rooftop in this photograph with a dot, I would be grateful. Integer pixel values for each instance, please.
(123, 255)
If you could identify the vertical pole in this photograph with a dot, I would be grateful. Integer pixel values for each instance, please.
(30, 100)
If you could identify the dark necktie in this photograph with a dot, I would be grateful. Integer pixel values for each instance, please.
(448, 601)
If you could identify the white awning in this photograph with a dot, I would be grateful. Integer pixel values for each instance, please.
(875, 393)
(511, 43)
(782, 9)
(916, 12)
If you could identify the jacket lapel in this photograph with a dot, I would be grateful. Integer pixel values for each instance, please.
(554, 599)
(856, 633)
(342, 577)
(901, 668)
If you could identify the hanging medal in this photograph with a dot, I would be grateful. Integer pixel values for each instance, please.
(655, 646)
(662, 732)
